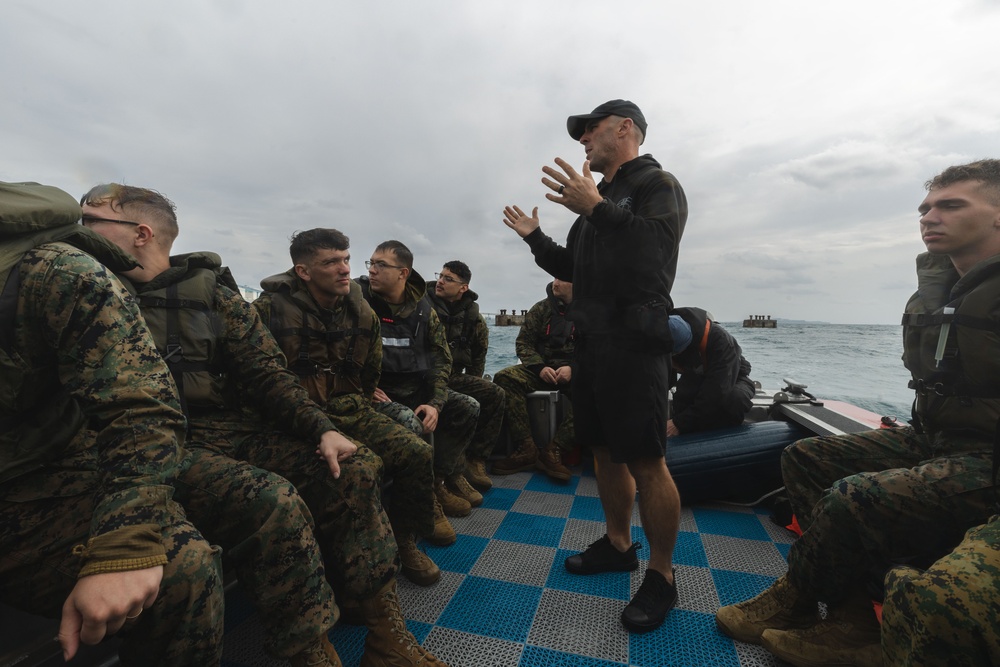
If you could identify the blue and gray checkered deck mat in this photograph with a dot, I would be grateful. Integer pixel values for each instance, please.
(505, 599)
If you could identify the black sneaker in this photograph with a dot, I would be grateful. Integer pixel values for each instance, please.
(602, 556)
(651, 603)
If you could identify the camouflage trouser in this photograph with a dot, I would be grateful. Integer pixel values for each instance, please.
(517, 382)
(456, 425)
(949, 614)
(858, 524)
(407, 458)
(402, 415)
(265, 530)
(491, 408)
(38, 570)
(352, 529)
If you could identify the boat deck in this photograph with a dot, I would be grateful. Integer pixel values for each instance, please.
(505, 599)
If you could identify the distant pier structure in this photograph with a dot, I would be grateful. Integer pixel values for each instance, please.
(760, 322)
(503, 319)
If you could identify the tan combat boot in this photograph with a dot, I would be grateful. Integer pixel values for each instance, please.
(780, 607)
(389, 643)
(444, 532)
(461, 488)
(475, 472)
(450, 503)
(850, 635)
(319, 654)
(416, 565)
(551, 463)
(522, 459)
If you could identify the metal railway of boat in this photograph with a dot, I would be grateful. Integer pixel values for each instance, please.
(505, 599)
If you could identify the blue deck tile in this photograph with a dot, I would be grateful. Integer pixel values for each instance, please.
(492, 608)
(730, 524)
(544, 531)
(460, 556)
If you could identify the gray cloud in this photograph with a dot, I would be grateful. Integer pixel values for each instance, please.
(801, 135)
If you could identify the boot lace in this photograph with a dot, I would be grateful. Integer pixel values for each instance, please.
(404, 637)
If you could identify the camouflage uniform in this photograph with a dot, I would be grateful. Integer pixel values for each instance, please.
(538, 345)
(106, 491)
(457, 412)
(469, 340)
(407, 458)
(352, 529)
(929, 491)
(948, 614)
(935, 480)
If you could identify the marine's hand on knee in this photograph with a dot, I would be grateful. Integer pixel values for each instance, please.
(100, 603)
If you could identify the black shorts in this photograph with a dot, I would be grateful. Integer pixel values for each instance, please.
(620, 399)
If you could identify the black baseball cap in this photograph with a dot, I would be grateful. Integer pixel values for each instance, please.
(577, 125)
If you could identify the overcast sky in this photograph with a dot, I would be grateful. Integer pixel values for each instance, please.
(802, 132)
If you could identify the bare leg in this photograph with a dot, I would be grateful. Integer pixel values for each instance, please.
(617, 490)
(659, 510)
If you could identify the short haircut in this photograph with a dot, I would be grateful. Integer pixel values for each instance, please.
(148, 202)
(397, 248)
(987, 172)
(304, 245)
(460, 269)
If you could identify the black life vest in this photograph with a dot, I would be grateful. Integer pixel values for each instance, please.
(405, 340)
(560, 333)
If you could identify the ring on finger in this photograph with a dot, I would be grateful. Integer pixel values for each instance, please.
(561, 188)
(132, 618)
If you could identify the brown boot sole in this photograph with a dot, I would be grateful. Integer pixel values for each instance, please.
(456, 513)
(557, 475)
(480, 486)
(445, 541)
(422, 577)
(511, 471)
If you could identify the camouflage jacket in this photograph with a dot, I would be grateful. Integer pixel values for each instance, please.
(255, 380)
(466, 330)
(292, 290)
(78, 330)
(537, 345)
(431, 388)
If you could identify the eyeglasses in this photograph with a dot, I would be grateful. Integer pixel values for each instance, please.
(449, 279)
(90, 219)
(378, 265)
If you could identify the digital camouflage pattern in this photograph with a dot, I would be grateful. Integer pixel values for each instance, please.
(412, 388)
(534, 347)
(469, 364)
(408, 461)
(536, 350)
(948, 614)
(407, 458)
(465, 329)
(352, 529)
(104, 501)
(263, 526)
(457, 421)
(927, 493)
(402, 415)
(517, 382)
(103, 361)
(458, 413)
(492, 402)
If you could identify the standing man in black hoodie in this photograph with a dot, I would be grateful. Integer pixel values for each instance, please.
(621, 255)
(469, 340)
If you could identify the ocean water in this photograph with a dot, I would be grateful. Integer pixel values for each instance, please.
(855, 363)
